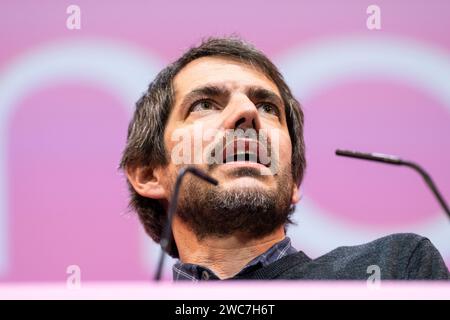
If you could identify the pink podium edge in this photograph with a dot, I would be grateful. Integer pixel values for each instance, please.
(262, 290)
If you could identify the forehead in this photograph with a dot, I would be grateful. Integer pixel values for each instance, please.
(233, 74)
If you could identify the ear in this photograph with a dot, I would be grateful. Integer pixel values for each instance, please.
(147, 182)
(295, 194)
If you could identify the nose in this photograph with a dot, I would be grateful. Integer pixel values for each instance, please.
(243, 114)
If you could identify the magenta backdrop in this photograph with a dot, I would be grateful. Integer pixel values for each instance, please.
(66, 97)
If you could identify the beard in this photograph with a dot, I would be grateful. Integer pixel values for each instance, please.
(249, 212)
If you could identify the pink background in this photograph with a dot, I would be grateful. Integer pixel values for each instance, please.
(65, 203)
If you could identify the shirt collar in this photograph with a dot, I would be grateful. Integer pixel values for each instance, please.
(193, 272)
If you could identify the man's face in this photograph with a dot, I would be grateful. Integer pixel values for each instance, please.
(213, 97)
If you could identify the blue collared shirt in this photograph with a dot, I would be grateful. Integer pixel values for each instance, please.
(193, 272)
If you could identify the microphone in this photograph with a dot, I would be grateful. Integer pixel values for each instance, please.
(167, 232)
(379, 157)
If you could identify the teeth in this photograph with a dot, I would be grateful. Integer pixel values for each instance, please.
(251, 157)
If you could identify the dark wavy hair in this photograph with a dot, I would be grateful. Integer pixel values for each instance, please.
(145, 140)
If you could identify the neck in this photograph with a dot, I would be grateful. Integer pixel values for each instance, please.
(225, 256)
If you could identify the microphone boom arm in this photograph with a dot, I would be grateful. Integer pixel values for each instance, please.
(397, 161)
(167, 232)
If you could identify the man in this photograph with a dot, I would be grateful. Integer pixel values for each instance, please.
(236, 230)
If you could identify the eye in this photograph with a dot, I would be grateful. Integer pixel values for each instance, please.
(202, 105)
(269, 108)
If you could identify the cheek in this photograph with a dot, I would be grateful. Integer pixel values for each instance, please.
(284, 148)
(184, 145)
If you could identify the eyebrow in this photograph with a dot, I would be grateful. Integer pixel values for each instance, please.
(258, 93)
(208, 91)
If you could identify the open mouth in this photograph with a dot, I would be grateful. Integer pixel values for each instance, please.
(245, 150)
